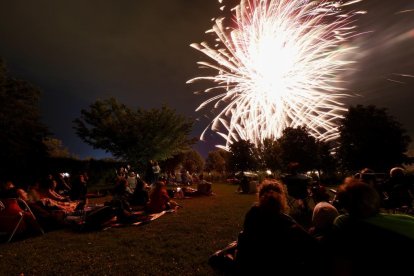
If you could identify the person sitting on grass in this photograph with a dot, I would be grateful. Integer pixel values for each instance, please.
(140, 195)
(365, 241)
(159, 200)
(323, 217)
(271, 239)
(203, 186)
(297, 185)
(47, 189)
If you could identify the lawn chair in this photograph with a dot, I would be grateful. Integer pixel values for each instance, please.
(13, 212)
(298, 190)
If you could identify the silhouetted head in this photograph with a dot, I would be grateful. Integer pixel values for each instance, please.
(293, 167)
(272, 196)
(359, 199)
(397, 172)
(324, 215)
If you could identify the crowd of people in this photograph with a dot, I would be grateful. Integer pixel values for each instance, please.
(41, 205)
(349, 235)
(62, 200)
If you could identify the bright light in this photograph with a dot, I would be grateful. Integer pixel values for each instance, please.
(278, 67)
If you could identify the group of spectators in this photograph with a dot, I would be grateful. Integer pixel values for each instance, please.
(55, 202)
(46, 204)
(131, 190)
(350, 235)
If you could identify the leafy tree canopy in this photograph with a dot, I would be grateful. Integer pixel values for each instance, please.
(297, 145)
(21, 131)
(243, 156)
(217, 160)
(370, 137)
(134, 135)
(193, 161)
(269, 152)
(55, 148)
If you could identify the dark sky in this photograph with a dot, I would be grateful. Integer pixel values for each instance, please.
(138, 51)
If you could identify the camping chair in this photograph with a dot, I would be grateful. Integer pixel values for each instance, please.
(12, 214)
(26, 208)
(299, 194)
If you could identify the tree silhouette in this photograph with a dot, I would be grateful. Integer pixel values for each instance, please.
(297, 145)
(370, 137)
(134, 135)
(243, 156)
(21, 131)
(217, 160)
(269, 154)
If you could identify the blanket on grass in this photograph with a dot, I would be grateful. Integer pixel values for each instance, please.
(140, 218)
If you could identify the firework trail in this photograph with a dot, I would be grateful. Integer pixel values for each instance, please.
(278, 67)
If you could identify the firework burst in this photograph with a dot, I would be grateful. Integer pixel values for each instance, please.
(278, 67)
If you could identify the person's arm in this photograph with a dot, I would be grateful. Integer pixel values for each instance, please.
(55, 196)
(165, 196)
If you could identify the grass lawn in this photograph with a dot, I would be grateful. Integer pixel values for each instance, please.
(175, 244)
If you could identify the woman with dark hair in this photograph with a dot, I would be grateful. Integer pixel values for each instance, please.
(159, 200)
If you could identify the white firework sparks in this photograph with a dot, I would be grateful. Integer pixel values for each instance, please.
(277, 68)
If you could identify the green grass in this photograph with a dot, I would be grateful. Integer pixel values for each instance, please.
(175, 244)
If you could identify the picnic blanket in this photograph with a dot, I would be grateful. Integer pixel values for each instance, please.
(140, 218)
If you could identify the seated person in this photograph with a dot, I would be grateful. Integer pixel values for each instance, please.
(122, 190)
(243, 184)
(132, 180)
(47, 189)
(159, 199)
(79, 187)
(363, 240)
(271, 239)
(297, 185)
(203, 186)
(122, 195)
(36, 197)
(7, 189)
(140, 195)
(28, 226)
(49, 213)
(323, 217)
(398, 189)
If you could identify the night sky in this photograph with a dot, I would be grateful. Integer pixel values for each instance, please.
(79, 51)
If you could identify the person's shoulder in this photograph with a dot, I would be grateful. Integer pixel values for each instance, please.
(254, 209)
(400, 224)
(341, 221)
(286, 217)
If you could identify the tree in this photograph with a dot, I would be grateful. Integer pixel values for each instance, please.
(55, 148)
(137, 135)
(370, 137)
(21, 131)
(217, 160)
(243, 156)
(297, 145)
(269, 152)
(326, 161)
(193, 161)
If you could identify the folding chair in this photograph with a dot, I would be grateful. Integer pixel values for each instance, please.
(298, 195)
(26, 208)
(12, 214)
